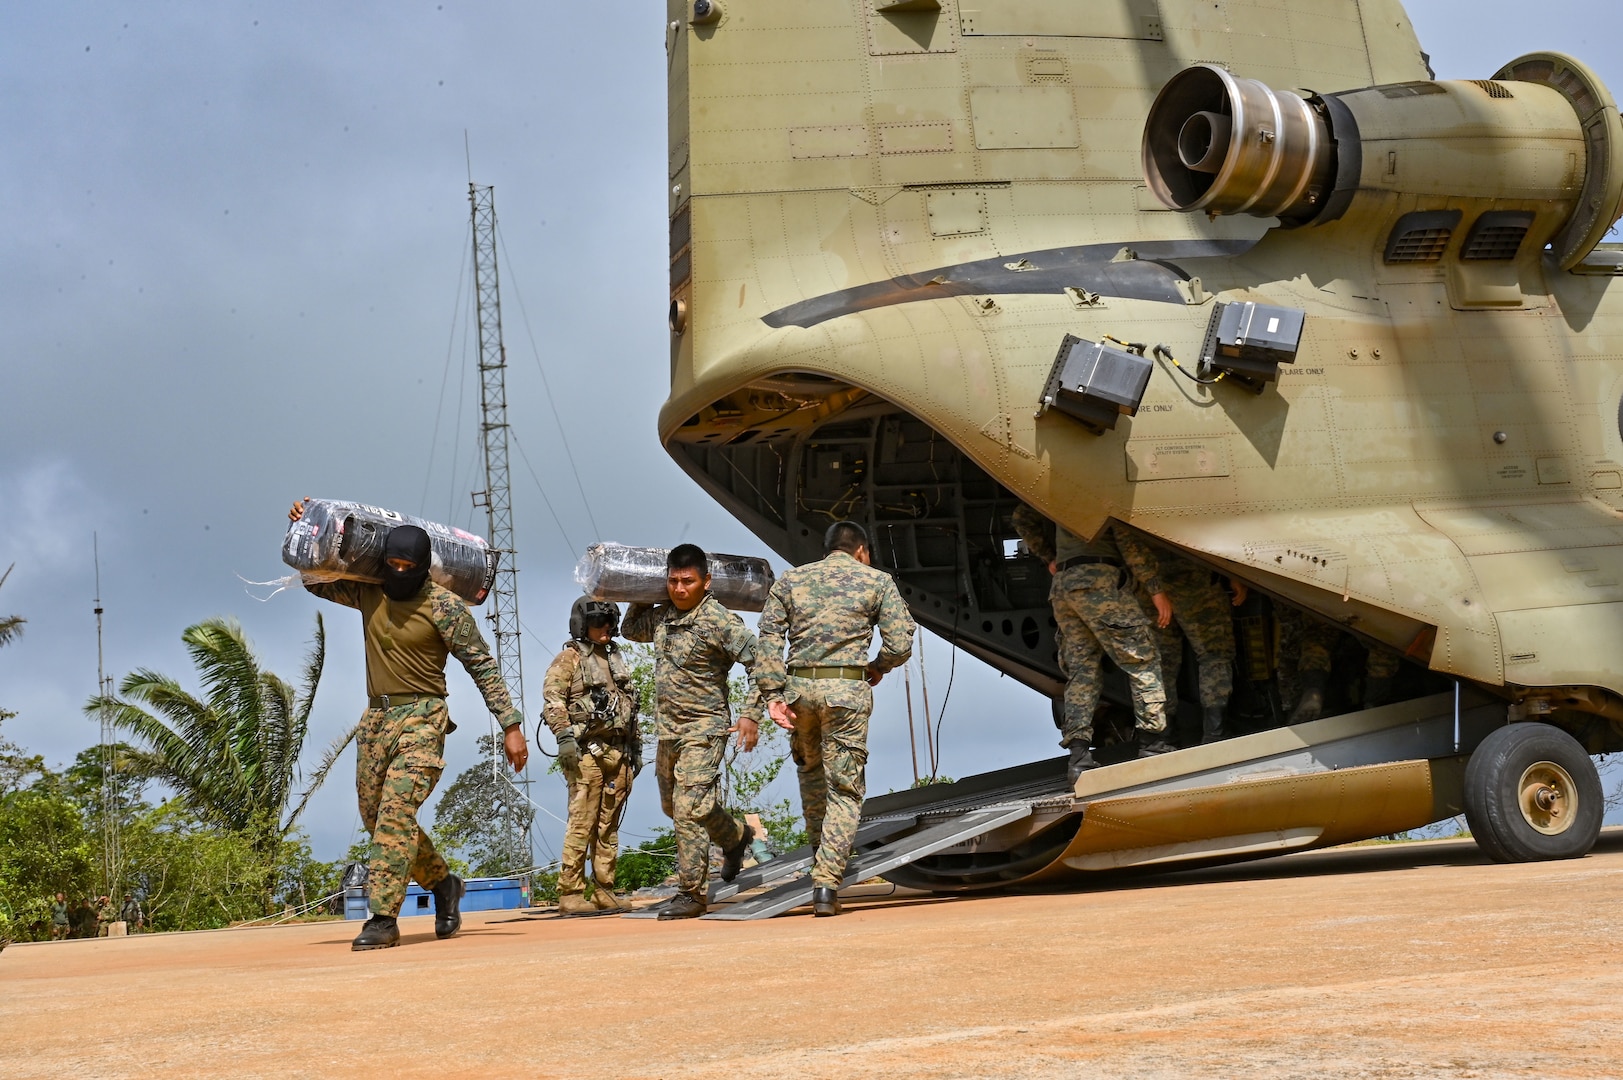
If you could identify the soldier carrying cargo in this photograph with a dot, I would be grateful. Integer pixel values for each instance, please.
(411, 626)
(696, 643)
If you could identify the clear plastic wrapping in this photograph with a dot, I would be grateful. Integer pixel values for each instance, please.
(344, 540)
(637, 575)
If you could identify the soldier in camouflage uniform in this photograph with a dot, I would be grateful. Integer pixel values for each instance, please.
(411, 626)
(1203, 614)
(1097, 615)
(591, 706)
(1312, 642)
(59, 918)
(696, 643)
(827, 611)
(104, 915)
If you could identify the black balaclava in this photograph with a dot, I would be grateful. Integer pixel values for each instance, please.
(406, 542)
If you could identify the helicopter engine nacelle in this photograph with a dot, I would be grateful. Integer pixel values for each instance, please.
(1542, 138)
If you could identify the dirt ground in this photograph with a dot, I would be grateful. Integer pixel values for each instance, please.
(1418, 960)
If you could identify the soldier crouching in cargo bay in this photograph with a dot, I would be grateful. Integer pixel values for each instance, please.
(591, 706)
(696, 643)
(827, 611)
(1097, 615)
(411, 625)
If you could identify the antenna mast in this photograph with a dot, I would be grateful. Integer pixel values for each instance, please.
(497, 497)
(110, 808)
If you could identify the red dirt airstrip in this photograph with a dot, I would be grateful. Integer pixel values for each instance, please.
(1416, 960)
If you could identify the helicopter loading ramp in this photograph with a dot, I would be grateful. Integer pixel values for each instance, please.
(1332, 781)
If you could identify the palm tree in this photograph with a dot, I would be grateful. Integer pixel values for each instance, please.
(232, 755)
(11, 626)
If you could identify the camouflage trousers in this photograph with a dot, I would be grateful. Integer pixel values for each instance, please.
(1098, 617)
(1201, 612)
(597, 801)
(830, 748)
(398, 760)
(1308, 645)
(688, 768)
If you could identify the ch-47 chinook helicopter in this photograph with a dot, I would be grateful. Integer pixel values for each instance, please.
(1238, 274)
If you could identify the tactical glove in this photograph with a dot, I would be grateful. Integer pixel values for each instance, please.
(568, 754)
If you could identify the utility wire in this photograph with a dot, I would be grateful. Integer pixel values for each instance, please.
(552, 402)
(445, 376)
(556, 520)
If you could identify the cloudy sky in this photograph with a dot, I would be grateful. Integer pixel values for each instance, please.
(236, 241)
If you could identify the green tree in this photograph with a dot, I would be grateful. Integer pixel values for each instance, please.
(232, 755)
(483, 819)
(45, 848)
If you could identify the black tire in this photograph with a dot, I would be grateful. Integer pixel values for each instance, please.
(1532, 794)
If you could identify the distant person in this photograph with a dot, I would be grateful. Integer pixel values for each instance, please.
(411, 625)
(696, 643)
(823, 695)
(60, 923)
(104, 915)
(84, 918)
(590, 704)
(131, 914)
(1097, 615)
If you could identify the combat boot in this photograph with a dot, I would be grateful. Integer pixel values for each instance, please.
(380, 932)
(448, 906)
(825, 901)
(575, 903)
(605, 900)
(732, 860)
(1311, 705)
(1081, 761)
(682, 906)
(1156, 746)
(1214, 729)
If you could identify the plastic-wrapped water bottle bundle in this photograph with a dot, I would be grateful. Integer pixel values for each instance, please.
(637, 575)
(344, 540)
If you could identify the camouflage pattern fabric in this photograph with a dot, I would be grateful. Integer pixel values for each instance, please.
(1383, 662)
(1055, 544)
(694, 651)
(1200, 611)
(583, 674)
(1307, 644)
(407, 642)
(1038, 532)
(597, 801)
(827, 611)
(1098, 616)
(104, 916)
(689, 771)
(830, 749)
(398, 760)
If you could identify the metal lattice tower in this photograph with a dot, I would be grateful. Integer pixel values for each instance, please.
(497, 496)
(111, 805)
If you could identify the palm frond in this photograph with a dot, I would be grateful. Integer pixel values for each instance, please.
(328, 760)
(225, 661)
(11, 628)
